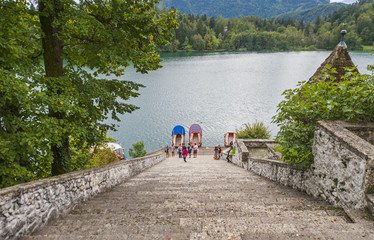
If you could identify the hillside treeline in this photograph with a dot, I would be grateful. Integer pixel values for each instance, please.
(252, 33)
(237, 8)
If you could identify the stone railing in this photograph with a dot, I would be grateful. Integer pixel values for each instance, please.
(342, 172)
(27, 207)
(344, 162)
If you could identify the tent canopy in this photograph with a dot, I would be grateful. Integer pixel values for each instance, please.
(178, 130)
(113, 146)
(231, 129)
(195, 128)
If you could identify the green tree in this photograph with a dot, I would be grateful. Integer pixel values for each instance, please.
(138, 150)
(22, 142)
(173, 46)
(212, 23)
(201, 28)
(71, 95)
(350, 100)
(220, 25)
(324, 33)
(198, 42)
(186, 45)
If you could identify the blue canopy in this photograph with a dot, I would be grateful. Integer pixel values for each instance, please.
(178, 130)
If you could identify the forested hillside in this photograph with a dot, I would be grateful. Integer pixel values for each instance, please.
(237, 8)
(256, 34)
(311, 14)
(360, 16)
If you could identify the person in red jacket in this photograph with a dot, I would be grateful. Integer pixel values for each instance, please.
(184, 153)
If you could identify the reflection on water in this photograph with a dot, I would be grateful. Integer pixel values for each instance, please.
(215, 90)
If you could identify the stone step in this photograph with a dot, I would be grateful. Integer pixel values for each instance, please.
(176, 219)
(209, 208)
(214, 229)
(203, 199)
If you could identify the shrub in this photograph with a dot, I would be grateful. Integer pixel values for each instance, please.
(256, 130)
(102, 157)
(82, 157)
(350, 100)
(138, 150)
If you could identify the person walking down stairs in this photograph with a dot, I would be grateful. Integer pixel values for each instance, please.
(195, 148)
(228, 153)
(184, 153)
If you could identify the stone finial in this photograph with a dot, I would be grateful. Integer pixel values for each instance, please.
(343, 33)
(338, 59)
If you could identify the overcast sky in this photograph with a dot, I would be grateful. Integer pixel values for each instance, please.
(344, 1)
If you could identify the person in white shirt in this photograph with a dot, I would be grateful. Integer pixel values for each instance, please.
(195, 148)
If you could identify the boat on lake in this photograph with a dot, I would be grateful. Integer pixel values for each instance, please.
(196, 134)
(230, 136)
(178, 134)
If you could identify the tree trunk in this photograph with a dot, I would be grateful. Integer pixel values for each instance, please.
(49, 11)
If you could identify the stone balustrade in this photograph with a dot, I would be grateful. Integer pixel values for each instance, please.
(343, 169)
(27, 207)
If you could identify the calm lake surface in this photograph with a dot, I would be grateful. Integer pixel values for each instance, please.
(215, 90)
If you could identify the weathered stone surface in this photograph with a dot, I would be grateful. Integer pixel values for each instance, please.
(343, 169)
(26, 207)
(340, 60)
(370, 200)
(202, 199)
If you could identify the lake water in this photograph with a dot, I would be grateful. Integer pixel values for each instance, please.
(215, 90)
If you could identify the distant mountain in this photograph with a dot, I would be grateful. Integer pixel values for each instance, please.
(310, 15)
(237, 8)
(344, 1)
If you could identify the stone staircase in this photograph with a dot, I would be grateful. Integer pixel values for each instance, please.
(370, 199)
(203, 199)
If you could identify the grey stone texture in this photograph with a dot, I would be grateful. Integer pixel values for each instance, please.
(370, 201)
(203, 199)
(343, 164)
(27, 207)
(342, 172)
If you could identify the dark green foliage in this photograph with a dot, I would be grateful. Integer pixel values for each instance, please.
(310, 15)
(351, 100)
(251, 33)
(359, 17)
(256, 130)
(138, 150)
(50, 110)
(230, 8)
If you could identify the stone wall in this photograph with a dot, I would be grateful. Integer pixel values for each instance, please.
(364, 131)
(343, 163)
(342, 172)
(27, 207)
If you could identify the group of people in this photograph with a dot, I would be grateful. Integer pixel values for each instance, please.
(183, 151)
(217, 152)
